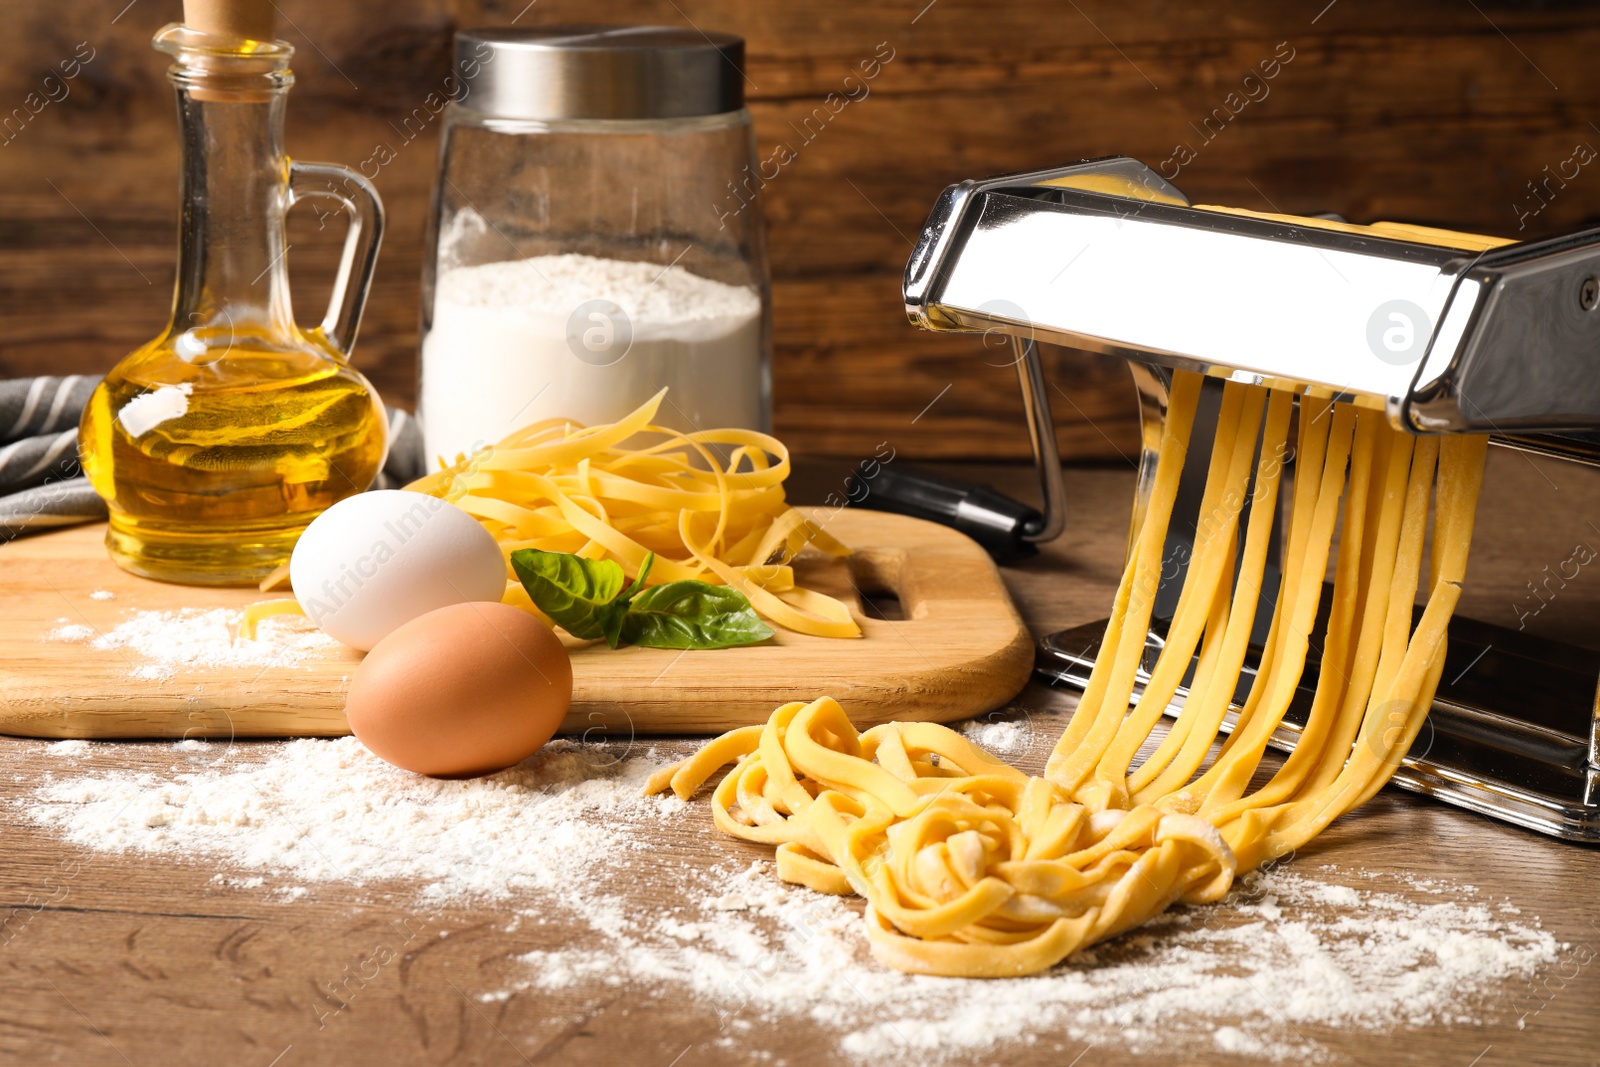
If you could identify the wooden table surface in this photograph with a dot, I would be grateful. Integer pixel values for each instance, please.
(117, 959)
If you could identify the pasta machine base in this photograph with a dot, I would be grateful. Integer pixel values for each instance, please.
(1531, 770)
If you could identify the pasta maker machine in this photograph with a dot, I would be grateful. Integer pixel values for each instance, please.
(1106, 255)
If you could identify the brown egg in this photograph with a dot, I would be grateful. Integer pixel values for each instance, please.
(466, 689)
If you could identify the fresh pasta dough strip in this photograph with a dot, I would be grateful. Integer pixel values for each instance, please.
(1334, 681)
(560, 487)
(971, 868)
(1227, 779)
(1112, 679)
(1316, 423)
(1180, 753)
(265, 609)
(1317, 755)
(1238, 425)
(1379, 557)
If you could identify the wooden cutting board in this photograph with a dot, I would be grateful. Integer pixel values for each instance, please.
(959, 650)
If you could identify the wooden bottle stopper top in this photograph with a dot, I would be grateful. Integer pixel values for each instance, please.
(255, 20)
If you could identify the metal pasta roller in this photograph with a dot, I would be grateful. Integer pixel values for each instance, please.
(1475, 337)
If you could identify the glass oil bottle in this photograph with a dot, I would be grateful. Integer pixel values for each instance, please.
(217, 443)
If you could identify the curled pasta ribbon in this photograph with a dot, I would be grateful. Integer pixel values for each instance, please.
(710, 505)
(972, 868)
(968, 865)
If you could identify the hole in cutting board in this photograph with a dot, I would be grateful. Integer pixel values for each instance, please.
(884, 605)
(879, 598)
(865, 581)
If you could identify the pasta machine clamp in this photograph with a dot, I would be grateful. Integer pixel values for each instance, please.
(1443, 338)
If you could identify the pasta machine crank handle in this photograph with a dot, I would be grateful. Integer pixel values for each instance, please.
(988, 516)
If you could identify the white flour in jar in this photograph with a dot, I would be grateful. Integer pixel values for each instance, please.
(587, 339)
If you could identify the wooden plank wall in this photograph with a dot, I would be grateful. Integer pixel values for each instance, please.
(1435, 111)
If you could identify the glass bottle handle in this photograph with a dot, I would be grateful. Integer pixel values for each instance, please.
(359, 198)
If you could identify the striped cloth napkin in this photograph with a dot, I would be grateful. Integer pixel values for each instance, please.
(41, 484)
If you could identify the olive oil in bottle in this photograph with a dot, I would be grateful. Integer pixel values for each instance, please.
(218, 442)
(212, 470)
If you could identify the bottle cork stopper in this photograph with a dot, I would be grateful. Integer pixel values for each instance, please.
(256, 20)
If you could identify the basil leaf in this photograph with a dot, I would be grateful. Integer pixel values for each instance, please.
(586, 598)
(610, 615)
(570, 589)
(692, 614)
(638, 583)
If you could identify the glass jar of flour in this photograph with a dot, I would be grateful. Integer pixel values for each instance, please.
(594, 237)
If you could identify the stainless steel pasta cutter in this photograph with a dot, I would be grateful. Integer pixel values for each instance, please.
(1106, 255)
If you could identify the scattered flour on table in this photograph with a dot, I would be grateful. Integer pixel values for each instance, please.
(74, 748)
(70, 631)
(102, 594)
(566, 834)
(163, 643)
(1003, 739)
(322, 811)
(1194, 976)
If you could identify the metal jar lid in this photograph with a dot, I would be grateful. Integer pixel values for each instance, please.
(599, 72)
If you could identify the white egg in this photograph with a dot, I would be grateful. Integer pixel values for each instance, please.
(375, 561)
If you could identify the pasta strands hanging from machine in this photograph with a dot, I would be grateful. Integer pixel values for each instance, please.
(972, 868)
(1446, 333)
